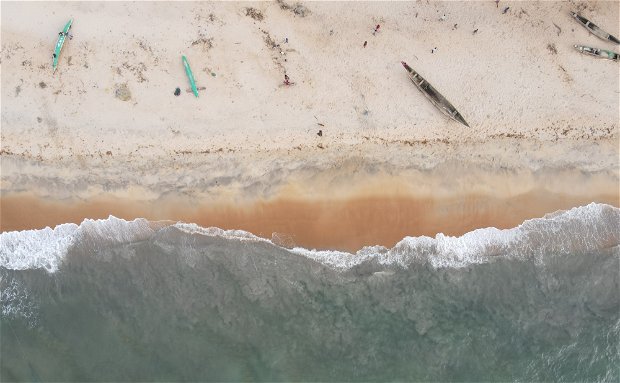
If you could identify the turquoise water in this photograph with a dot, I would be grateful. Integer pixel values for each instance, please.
(117, 301)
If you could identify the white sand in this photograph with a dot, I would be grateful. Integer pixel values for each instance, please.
(541, 114)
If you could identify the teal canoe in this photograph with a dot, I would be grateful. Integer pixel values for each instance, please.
(62, 36)
(192, 82)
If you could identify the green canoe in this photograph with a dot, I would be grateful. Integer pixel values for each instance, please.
(61, 40)
(596, 52)
(190, 76)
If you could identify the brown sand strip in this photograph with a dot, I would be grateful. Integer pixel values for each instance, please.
(337, 224)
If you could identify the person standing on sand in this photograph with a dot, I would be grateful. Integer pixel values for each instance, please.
(365, 43)
(496, 3)
(286, 80)
(376, 29)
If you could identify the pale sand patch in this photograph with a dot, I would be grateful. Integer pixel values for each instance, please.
(544, 121)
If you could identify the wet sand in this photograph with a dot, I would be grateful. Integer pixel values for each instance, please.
(346, 224)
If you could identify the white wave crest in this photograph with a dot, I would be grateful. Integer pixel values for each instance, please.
(35, 249)
(192, 228)
(46, 248)
(579, 230)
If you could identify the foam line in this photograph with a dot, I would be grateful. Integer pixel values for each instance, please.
(578, 230)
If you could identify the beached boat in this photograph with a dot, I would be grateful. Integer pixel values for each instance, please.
(595, 30)
(601, 53)
(190, 75)
(434, 96)
(62, 36)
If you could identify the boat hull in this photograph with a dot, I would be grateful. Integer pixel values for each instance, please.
(594, 29)
(434, 96)
(600, 53)
(62, 36)
(190, 76)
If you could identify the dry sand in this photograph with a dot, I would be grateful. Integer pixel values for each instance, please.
(246, 154)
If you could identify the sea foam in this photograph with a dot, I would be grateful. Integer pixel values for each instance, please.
(578, 230)
(46, 248)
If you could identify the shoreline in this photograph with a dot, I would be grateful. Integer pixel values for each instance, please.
(340, 198)
(498, 167)
(346, 224)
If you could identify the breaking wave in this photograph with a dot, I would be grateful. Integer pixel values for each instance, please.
(576, 231)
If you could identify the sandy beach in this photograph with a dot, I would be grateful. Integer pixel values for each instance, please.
(247, 154)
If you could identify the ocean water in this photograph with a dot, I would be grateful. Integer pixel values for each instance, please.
(112, 300)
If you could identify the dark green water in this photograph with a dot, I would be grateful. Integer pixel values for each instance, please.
(178, 306)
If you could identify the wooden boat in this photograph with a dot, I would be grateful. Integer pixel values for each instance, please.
(595, 30)
(190, 75)
(434, 96)
(596, 52)
(62, 36)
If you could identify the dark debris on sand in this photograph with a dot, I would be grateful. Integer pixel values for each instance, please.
(254, 13)
(298, 9)
(206, 43)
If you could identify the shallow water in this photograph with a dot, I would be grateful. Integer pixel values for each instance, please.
(115, 301)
